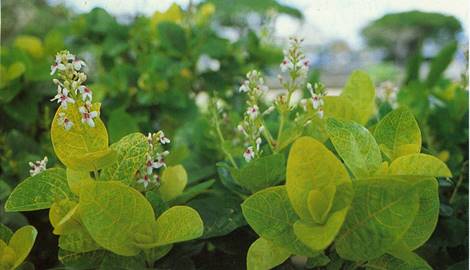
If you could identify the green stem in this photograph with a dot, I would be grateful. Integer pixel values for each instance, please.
(222, 142)
(459, 183)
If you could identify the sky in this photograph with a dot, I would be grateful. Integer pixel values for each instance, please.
(324, 19)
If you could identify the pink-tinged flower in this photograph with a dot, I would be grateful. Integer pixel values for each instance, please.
(161, 159)
(253, 111)
(64, 121)
(303, 65)
(145, 180)
(78, 64)
(150, 165)
(286, 65)
(317, 101)
(57, 65)
(38, 166)
(162, 138)
(62, 97)
(87, 115)
(249, 154)
(85, 91)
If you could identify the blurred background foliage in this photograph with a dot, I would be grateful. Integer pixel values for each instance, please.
(154, 72)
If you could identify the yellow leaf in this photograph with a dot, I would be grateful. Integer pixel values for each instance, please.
(172, 14)
(31, 45)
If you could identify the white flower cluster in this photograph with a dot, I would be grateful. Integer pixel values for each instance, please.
(71, 89)
(38, 166)
(252, 125)
(317, 93)
(155, 159)
(387, 92)
(294, 60)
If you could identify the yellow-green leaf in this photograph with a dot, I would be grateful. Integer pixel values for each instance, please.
(272, 217)
(173, 182)
(355, 145)
(7, 256)
(78, 241)
(81, 147)
(39, 191)
(64, 217)
(30, 44)
(398, 134)
(172, 14)
(22, 242)
(113, 213)
(360, 91)
(382, 210)
(419, 164)
(264, 254)
(15, 70)
(320, 202)
(76, 178)
(311, 166)
(340, 107)
(131, 155)
(177, 224)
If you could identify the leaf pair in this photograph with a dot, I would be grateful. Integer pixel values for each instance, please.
(15, 247)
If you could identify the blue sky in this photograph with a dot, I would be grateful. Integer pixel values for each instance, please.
(324, 19)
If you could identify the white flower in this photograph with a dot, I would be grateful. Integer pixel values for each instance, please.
(303, 65)
(249, 154)
(269, 110)
(62, 97)
(244, 87)
(253, 111)
(317, 101)
(161, 159)
(70, 57)
(286, 65)
(145, 180)
(64, 121)
(150, 139)
(258, 143)
(303, 103)
(206, 63)
(320, 112)
(87, 115)
(85, 91)
(150, 165)
(57, 65)
(162, 138)
(38, 166)
(78, 64)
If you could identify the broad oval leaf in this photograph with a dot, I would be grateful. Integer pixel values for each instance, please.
(320, 202)
(355, 145)
(340, 107)
(113, 214)
(264, 254)
(428, 213)
(39, 191)
(419, 164)
(22, 242)
(173, 182)
(131, 151)
(81, 147)
(398, 134)
(382, 210)
(76, 178)
(311, 166)
(177, 224)
(271, 216)
(64, 217)
(261, 173)
(388, 262)
(360, 91)
(78, 241)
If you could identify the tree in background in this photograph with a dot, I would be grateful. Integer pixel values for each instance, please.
(402, 34)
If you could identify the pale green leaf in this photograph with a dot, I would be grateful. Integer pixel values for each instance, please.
(39, 191)
(339, 107)
(76, 178)
(22, 242)
(398, 134)
(272, 217)
(261, 173)
(360, 91)
(131, 155)
(264, 254)
(173, 182)
(382, 210)
(401, 259)
(113, 213)
(81, 147)
(320, 202)
(64, 217)
(419, 164)
(177, 224)
(311, 166)
(355, 145)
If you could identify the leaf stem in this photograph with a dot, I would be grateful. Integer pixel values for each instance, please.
(459, 183)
